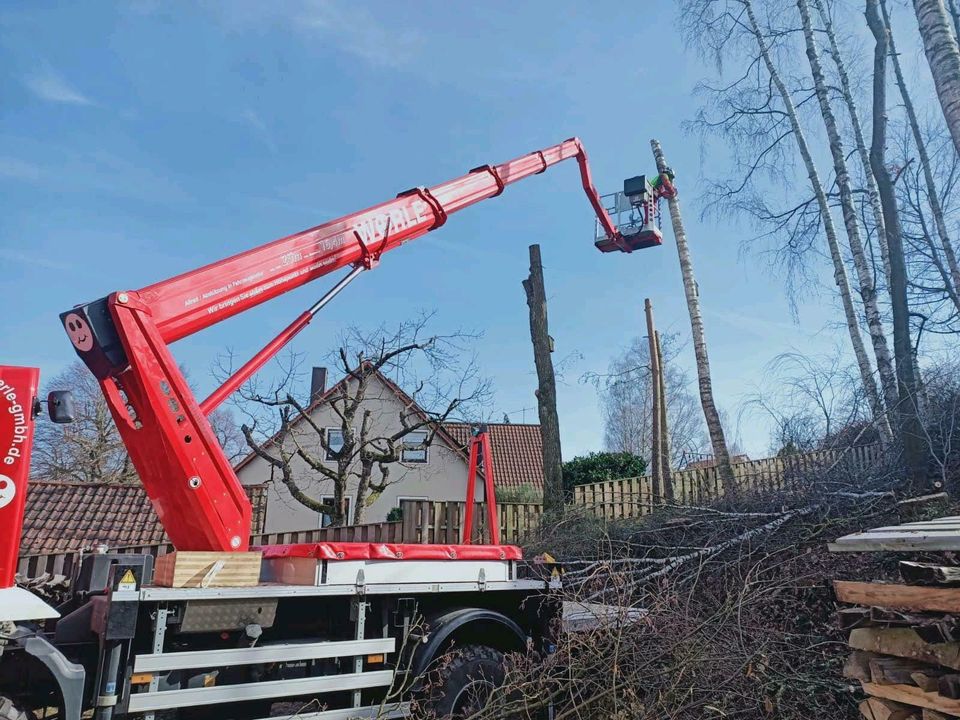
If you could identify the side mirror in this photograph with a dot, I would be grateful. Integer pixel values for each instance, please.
(60, 406)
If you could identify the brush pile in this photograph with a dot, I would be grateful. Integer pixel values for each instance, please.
(739, 614)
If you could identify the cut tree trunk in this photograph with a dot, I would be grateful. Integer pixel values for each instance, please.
(553, 500)
(943, 56)
(656, 434)
(666, 473)
(868, 291)
(908, 413)
(711, 414)
(839, 269)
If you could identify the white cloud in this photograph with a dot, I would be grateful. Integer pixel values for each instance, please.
(354, 29)
(344, 26)
(48, 85)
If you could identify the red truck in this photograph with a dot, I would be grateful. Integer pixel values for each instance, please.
(355, 628)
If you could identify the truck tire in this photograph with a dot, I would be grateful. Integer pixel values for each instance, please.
(463, 681)
(9, 710)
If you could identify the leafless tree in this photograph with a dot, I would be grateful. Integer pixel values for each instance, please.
(810, 401)
(89, 449)
(950, 274)
(624, 392)
(943, 56)
(864, 272)
(425, 373)
(757, 114)
(908, 411)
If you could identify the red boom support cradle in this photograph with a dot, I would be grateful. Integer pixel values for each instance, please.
(124, 338)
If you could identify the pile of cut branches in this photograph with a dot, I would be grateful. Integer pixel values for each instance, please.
(739, 613)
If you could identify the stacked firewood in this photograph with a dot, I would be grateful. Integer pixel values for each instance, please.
(905, 641)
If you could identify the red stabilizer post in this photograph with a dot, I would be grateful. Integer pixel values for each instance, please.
(18, 393)
(480, 452)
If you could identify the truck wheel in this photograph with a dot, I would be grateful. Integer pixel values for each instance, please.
(462, 683)
(9, 710)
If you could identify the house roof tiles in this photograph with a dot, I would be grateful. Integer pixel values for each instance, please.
(66, 516)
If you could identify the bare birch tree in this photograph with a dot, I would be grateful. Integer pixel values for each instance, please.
(840, 273)
(711, 414)
(625, 398)
(908, 412)
(933, 196)
(846, 92)
(868, 293)
(943, 56)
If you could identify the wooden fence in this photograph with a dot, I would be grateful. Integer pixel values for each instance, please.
(424, 521)
(631, 497)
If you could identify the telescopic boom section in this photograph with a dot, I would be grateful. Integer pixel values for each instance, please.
(195, 300)
(124, 339)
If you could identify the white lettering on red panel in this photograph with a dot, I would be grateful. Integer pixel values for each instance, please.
(21, 430)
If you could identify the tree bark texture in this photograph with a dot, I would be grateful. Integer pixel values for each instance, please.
(943, 56)
(656, 432)
(546, 386)
(839, 269)
(711, 414)
(933, 196)
(868, 291)
(911, 430)
(846, 92)
(666, 475)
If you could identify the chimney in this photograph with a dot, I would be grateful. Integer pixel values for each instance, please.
(318, 383)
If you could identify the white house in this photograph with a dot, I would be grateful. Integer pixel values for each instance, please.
(436, 472)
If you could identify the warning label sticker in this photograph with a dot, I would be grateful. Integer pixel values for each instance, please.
(128, 583)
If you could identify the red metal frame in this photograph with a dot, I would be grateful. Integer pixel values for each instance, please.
(480, 451)
(18, 397)
(194, 489)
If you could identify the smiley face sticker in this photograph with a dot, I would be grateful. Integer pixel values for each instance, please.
(78, 330)
(7, 490)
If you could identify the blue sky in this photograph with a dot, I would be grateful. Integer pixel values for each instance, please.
(140, 139)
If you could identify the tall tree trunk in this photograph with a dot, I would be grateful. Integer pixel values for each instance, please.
(868, 291)
(553, 500)
(911, 430)
(656, 432)
(839, 270)
(666, 474)
(943, 56)
(954, 9)
(864, 154)
(710, 413)
(933, 197)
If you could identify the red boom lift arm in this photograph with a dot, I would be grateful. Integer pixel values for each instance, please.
(124, 338)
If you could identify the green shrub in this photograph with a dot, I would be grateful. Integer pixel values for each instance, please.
(395, 514)
(600, 466)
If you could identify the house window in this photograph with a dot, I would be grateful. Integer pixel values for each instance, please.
(326, 519)
(334, 441)
(414, 447)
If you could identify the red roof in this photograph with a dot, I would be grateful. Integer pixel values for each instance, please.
(517, 452)
(65, 517)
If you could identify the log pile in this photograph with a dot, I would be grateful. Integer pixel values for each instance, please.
(905, 642)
